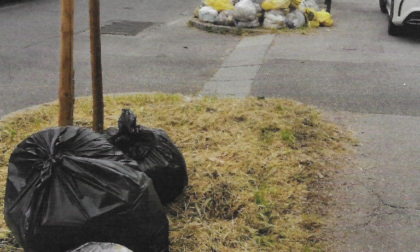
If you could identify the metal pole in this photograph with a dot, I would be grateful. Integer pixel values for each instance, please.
(328, 3)
(95, 51)
(66, 89)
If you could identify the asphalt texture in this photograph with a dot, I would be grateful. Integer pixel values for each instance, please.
(354, 71)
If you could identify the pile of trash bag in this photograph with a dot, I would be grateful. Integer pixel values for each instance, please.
(156, 155)
(272, 14)
(68, 186)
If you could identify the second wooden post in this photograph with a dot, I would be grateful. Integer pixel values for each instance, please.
(95, 51)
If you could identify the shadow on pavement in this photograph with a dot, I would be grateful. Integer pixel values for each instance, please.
(4, 3)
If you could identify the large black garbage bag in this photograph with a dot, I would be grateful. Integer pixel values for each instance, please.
(155, 153)
(69, 186)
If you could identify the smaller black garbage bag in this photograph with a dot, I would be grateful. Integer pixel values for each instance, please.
(101, 247)
(68, 186)
(155, 153)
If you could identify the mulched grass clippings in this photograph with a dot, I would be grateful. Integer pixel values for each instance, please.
(251, 163)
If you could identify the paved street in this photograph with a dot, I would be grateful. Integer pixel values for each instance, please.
(354, 66)
(362, 77)
(167, 57)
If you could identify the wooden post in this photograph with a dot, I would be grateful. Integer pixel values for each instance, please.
(66, 88)
(95, 52)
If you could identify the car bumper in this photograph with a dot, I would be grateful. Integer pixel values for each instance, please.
(406, 12)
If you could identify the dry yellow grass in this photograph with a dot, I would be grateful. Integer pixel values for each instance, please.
(250, 164)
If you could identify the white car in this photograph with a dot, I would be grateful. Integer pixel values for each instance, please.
(401, 12)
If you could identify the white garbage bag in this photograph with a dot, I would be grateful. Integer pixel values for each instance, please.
(245, 11)
(225, 18)
(274, 19)
(308, 4)
(295, 19)
(258, 7)
(207, 14)
(101, 247)
(291, 20)
(301, 18)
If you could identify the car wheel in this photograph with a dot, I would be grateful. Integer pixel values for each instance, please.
(393, 30)
(382, 4)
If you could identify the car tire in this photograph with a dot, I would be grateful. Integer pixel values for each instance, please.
(382, 5)
(393, 30)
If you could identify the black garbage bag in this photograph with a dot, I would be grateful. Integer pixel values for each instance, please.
(155, 153)
(68, 186)
(101, 247)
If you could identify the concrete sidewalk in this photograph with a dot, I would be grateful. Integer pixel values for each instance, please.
(377, 200)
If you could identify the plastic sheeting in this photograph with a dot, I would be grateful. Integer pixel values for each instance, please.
(68, 186)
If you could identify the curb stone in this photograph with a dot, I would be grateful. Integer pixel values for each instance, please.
(221, 29)
(35, 107)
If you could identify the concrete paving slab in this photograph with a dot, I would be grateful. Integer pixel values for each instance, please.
(239, 89)
(235, 77)
(240, 73)
(262, 40)
(250, 51)
(246, 56)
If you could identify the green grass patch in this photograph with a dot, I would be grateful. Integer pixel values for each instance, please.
(250, 164)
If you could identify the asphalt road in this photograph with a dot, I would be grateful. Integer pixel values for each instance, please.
(354, 66)
(167, 57)
(365, 79)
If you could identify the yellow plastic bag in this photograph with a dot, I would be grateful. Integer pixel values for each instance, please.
(275, 4)
(219, 5)
(324, 18)
(313, 24)
(312, 17)
(295, 3)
